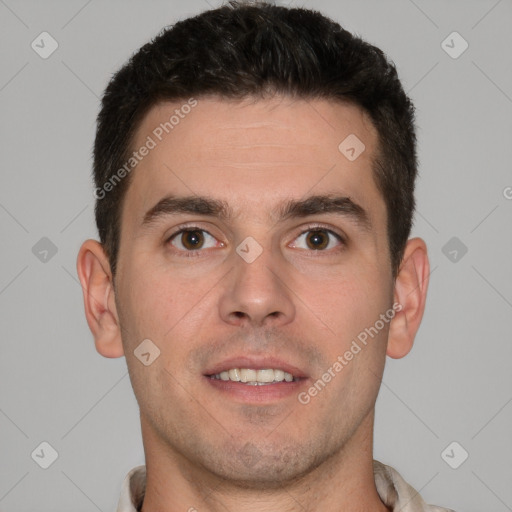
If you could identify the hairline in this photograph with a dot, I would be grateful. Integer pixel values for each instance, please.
(143, 110)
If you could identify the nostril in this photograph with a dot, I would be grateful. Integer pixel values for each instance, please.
(241, 314)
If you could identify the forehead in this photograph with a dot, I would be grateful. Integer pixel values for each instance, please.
(252, 153)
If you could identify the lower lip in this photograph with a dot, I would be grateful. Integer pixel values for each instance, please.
(257, 394)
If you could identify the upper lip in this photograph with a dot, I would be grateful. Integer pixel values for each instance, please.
(256, 363)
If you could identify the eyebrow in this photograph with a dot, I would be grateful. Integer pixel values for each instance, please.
(172, 205)
(313, 205)
(325, 204)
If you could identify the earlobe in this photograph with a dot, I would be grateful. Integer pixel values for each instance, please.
(99, 301)
(410, 293)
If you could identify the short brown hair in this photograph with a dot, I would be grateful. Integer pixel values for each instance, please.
(242, 50)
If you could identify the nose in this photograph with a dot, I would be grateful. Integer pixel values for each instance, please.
(257, 293)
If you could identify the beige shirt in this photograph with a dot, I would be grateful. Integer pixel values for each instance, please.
(393, 490)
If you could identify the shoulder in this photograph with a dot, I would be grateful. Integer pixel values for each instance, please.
(396, 493)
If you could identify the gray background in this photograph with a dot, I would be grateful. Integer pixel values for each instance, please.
(455, 385)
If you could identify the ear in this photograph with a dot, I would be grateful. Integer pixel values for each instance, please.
(94, 272)
(410, 295)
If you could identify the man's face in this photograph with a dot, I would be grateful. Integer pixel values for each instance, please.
(275, 280)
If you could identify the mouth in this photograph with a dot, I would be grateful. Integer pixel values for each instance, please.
(253, 377)
(255, 380)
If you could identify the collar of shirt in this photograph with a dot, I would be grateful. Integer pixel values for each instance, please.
(393, 490)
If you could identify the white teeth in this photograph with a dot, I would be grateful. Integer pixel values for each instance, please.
(254, 377)
(248, 375)
(234, 375)
(278, 375)
(265, 375)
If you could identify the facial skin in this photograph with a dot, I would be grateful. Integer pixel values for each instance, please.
(207, 445)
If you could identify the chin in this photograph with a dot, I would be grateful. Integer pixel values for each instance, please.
(264, 467)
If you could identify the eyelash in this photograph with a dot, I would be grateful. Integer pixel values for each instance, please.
(197, 252)
(183, 229)
(320, 227)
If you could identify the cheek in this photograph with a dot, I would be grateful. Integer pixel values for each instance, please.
(154, 308)
(348, 303)
(160, 305)
(146, 303)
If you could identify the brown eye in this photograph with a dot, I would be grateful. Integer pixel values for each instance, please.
(192, 239)
(317, 240)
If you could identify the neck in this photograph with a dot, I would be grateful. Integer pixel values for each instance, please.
(345, 481)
